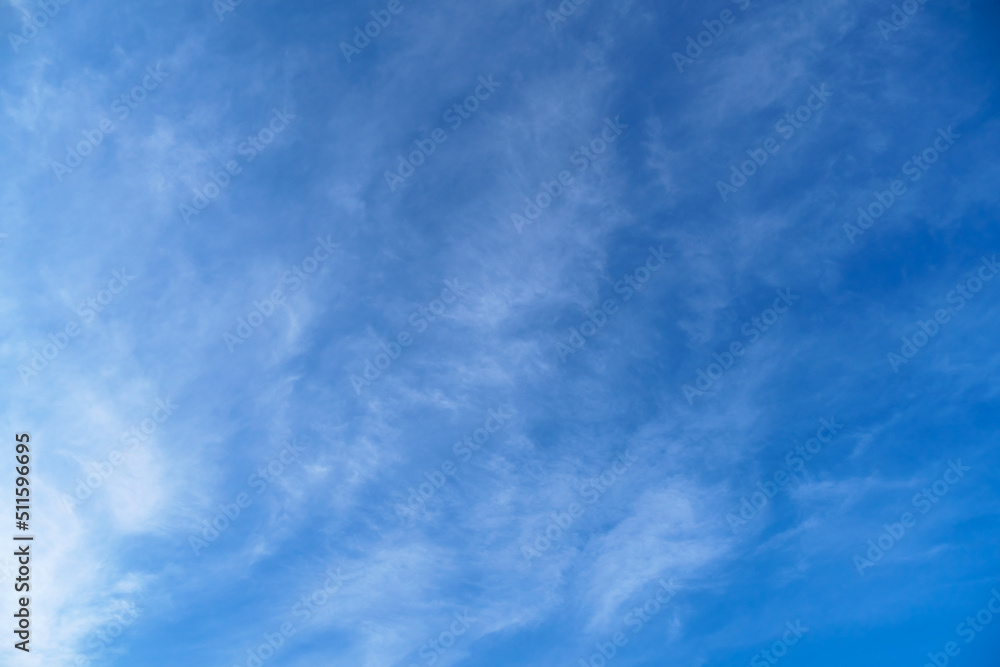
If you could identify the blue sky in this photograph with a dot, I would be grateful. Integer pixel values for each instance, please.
(604, 354)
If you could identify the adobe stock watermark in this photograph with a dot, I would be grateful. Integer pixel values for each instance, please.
(795, 459)
(464, 449)
(122, 106)
(33, 21)
(8, 568)
(899, 18)
(455, 115)
(754, 328)
(582, 159)
(786, 127)
(420, 319)
(106, 635)
(915, 168)
(223, 7)
(88, 311)
(432, 650)
(254, 145)
(696, 44)
(779, 649)
(636, 619)
(963, 293)
(967, 630)
(131, 439)
(291, 282)
(591, 491)
(381, 19)
(923, 501)
(627, 286)
(565, 10)
(228, 513)
(310, 604)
